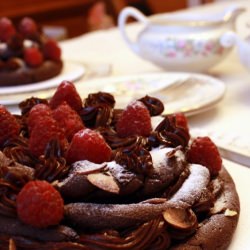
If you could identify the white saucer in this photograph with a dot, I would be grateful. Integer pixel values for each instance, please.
(71, 71)
(198, 93)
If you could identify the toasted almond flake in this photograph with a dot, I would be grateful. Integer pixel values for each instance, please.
(104, 181)
(230, 213)
(183, 219)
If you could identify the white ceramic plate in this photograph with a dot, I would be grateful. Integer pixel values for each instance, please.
(180, 92)
(71, 71)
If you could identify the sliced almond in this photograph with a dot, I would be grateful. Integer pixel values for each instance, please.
(104, 181)
(183, 219)
(230, 212)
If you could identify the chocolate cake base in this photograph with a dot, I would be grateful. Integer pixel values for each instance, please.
(217, 231)
(25, 75)
(214, 232)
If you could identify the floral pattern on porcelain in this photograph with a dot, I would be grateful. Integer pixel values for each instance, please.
(172, 47)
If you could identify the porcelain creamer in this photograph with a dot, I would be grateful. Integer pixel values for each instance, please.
(182, 42)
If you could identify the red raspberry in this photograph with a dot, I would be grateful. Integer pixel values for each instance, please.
(43, 132)
(9, 127)
(33, 57)
(203, 151)
(7, 30)
(37, 113)
(27, 27)
(134, 120)
(39, 204)
(88, 145)
(181, 121)
(51, 50)
(67, 92)
(68, 119)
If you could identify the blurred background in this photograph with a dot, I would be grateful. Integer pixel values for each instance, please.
(70, 18)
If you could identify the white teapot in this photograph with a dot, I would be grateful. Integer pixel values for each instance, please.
(182, 42)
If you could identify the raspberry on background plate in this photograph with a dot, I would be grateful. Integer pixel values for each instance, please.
(27, 27)
(7, 30)
(33, 57)
(51, 50)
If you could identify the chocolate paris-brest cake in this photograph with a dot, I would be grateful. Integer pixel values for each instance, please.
(26, 54)
(85, 175)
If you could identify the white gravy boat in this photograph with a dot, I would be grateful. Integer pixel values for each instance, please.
(182, 42)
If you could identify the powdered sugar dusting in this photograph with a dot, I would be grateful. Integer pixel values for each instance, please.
(192, 188)
(121, 174)
(159, 156)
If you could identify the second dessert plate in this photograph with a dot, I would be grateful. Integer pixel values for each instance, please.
(71, 71)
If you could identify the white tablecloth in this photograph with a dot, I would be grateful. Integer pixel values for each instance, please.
(231, 115)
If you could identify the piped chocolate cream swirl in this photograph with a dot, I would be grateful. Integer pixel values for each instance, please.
(154, 105)
(13, 177)
(52, 165)
(17, 150)
(168, 133)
